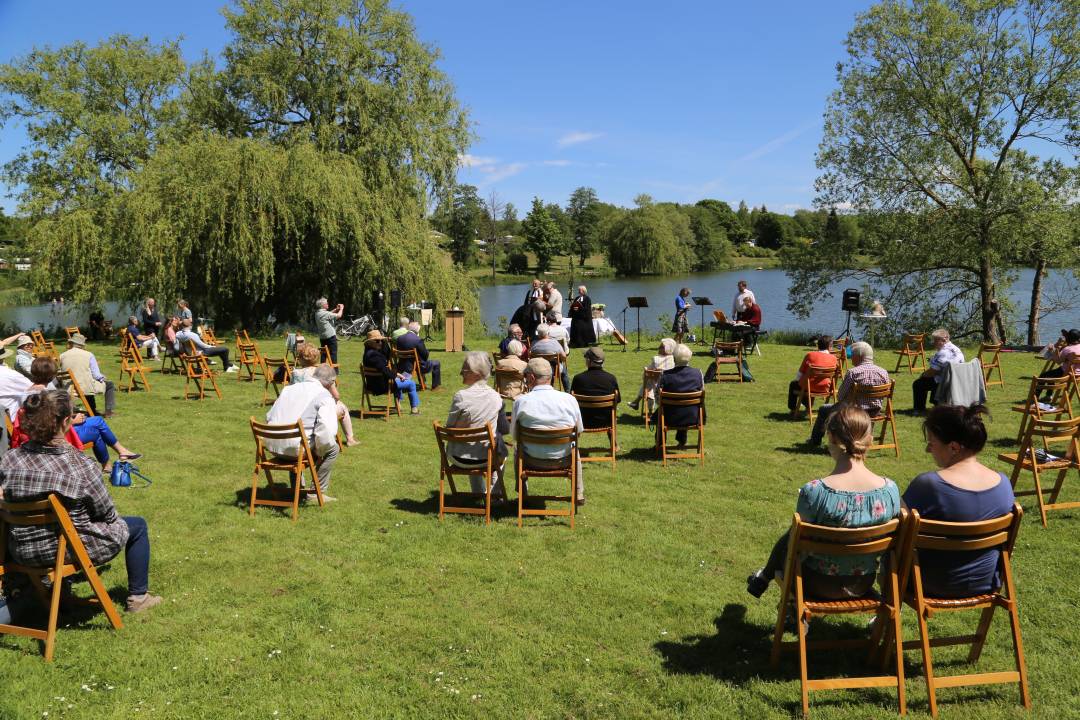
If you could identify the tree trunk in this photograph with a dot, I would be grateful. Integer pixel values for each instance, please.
(986, 300)
(1036, 301)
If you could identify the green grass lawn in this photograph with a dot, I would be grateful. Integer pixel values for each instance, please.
(371, 607)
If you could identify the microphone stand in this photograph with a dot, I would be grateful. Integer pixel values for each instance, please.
(624, 327)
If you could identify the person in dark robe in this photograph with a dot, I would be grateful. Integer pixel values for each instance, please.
(582, 333)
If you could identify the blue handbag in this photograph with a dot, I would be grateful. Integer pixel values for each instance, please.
(122, 470)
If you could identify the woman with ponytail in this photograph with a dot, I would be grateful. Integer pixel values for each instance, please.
(962, 489)
(850, 497)
(46, 464)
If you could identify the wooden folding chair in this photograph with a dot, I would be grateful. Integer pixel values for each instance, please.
(839, 351)
(390, 401)
(269, 463)
(43, 347)
(270, 367)
(884, 540)
(650, 381)
(817, 375)
(600, 402)
(247, 357)
(10, 427)
(883, 394)
(507, 378)
(52, 513)
(911, 349)
(556, 367)
(1033, 460)
(69, 331)
(448, 467)
(555, 436)
(197, 370)
(728, 355)
(1059, 389)
(328, 358)
(965, 537)
(170, 357)
(131, 366)
(411, 355)
(688, 399)
(209, 337)
(64, 379)
(989, 356)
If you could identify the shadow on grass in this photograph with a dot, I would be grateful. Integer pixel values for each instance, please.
(1009, 443)
(785, 416)
(802, 449)
(430, 505)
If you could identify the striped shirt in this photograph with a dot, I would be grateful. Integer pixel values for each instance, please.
(865, 374)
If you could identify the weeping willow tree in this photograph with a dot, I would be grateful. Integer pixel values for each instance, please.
(298, 168)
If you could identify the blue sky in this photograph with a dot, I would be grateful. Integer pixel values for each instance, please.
(680, 100)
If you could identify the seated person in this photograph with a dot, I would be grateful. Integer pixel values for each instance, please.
(377, 357)
(1066, 353)
(822, 358)
(401, 329)
(310, 402)
(926, 384)
(680, 379)
(307, 357)
(749, 314)
(545, 408)
(863, 371)
(663, 360)
(851, 496)
(557, 332)
(411, 340)
(514, 332)
(83, 366)
(172, 344)
(962, 490)
(84, 430)
(186, 335)
(141, 340)
(24, 355)
(595, 381)
(513, 360)
(476, 405)
(546, 346)
(47, 464)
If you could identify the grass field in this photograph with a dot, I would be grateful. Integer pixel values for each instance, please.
(371, 607)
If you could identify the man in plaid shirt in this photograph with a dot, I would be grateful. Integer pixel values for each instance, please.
(863, 371)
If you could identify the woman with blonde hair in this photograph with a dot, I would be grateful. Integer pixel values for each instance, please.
(307, 357)
(663, 360)
(851, 496)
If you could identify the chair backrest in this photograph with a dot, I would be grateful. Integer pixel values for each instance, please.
(874, 392)
(49, 511)
(595, 402)
(272, 364)
(284, 431)
(913, 341)
(550, 436)
(504, 377)
(729, 347)
(819, 539)
(1051, 386)
(991, 349)
(481, 434)
(69, 331)
(192, 351)
(821, 374)
(1055, 429)
(684, 399)
(650, 376)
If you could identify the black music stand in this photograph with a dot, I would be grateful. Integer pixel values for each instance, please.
(701, 302)
(638, 303)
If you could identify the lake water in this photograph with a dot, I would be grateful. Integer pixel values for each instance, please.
(498, 302)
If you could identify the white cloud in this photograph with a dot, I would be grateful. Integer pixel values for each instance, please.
(573, 138)
(774, 144)
(790, 207)
(557, 163)
(476, 161)
(495, 173)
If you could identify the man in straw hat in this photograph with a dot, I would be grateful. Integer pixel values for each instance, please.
(83, 366)
(377, 357)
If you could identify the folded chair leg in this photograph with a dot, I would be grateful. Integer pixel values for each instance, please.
(985, 618)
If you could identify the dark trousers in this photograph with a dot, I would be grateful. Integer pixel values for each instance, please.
(219, 351)
(110, 398)
(137, 555)
(818, 432)
(795, 394)
(922, 387)
(435, 368)
(330, 342)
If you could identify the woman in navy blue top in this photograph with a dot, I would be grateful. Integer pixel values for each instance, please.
(680, 326)
(962, 490)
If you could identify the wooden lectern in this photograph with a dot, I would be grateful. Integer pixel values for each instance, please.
(455, 330)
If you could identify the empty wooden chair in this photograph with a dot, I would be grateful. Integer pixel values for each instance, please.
(885, 417)
(131, 366)
(820, 384)
(248, 357)
(1035, 460)
(556, 367)
(600, 403)
(274, 376)
(71, 558)
(676, 400)
(208, 336)
(390, 401)
(43, 347)
(1059, 406)
(650, 380)
(911, 349)
(64, 379)
(963, 537)
(450, 466)
(197, 370)
(728, 355)
(170, 361)
(555, 436)
(328, 358)
(884, 540)
(269, 463)
(509, 383)
(69, 331)
(989, 357)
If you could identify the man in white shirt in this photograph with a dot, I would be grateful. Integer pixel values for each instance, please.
(186, 334)
(13, 387)
(310, 402)
(545, 408)
(739, 303)
(554, 301)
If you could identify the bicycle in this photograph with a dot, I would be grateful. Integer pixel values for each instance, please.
(356, 327)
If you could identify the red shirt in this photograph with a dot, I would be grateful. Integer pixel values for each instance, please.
(751, 316)
(817, 358)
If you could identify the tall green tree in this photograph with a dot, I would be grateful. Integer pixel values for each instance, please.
(584, 214)
(710, 240)
(463, 219)
(543, 236)
(922, 138)
(650, 239)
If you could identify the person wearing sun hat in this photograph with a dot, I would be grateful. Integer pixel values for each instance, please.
(377, 357)
(83, 366)
(24, 355)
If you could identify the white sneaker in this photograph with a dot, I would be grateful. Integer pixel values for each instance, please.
(232, 368)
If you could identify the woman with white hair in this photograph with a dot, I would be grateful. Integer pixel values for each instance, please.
(476, 405)
(513, 361)
(663, 360)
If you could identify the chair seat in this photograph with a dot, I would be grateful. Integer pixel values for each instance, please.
(867, 603)
(957, 603)
(1026, 462)
(1025, 409)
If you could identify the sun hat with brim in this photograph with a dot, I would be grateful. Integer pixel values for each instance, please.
(78, 339)
(373, 336)
(24, 340)
(5, 353)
